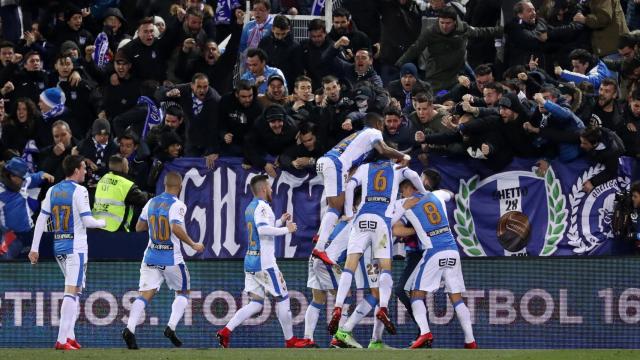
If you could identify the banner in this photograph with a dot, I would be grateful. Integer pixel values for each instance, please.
(514, 303)
(550, 213)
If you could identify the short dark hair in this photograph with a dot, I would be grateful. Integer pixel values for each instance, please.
(115, 161)
(148, 88)
(194, 11)
(329, 79)
(30, 54)
(373, 119)
(308, 127)
(635, 95)
(592, 135)
(582, 56)
(635, 187)
(316, 24)
(434, 177)
(257, 180)
(71, 163)
(62, 56)
(199, 76)
(341, 12)
(448, 12)
(494, 85)
(281, 22)
(551, 90)
(266, 3)
(145, 21)
(130, 135)
(625, 40)
(609, 82)
(423, 97)
(251, 52)
(392, 110)
(243, 85)
(302, 78)
(7, 44)
(175, 110)
(483, 69)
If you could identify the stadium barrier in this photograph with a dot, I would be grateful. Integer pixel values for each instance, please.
(514, 303)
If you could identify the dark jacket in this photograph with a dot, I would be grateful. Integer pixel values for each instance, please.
(357, 40)
(237, 120)
(63, 32)
(311, 57)
(396, 91)
(400, 28)
(120, 98)
(285, 55)
(52, 163)
(347, 70)
(265, 142)
(297, 151)
(446, 52)
(149, 62)
(201, 128)
(608, 156)
(82, 103)
(134, 118)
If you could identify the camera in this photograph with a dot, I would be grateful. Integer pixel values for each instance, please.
(622, 210)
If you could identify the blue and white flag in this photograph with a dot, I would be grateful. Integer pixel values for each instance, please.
(154, 114)
(100, 54)
(318, 8)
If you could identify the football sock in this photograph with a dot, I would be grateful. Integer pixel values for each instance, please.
(345, 311)
(361, 311)
(72, 334)
(283, 310)
(378, 327)
(464, 317)
(247, 311)
(67, 313)
(327, 224)
(136, 312)
(311, 319)
(177, 310)
(420, 314)
(343, 287)
(385, 287)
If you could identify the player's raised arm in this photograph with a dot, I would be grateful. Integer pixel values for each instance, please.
(415, 180)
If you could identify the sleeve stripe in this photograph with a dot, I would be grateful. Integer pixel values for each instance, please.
(86, 213)
(261, 224)
(45, 212)
(176, 222)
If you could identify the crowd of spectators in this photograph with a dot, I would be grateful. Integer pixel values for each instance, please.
(152, 81)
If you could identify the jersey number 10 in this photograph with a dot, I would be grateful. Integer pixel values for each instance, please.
(160, 229)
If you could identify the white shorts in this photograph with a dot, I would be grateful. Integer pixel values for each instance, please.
(433, 269)
(333, 175)
(269, 281)
(368, 271)
(374, 230)
(322, 276)
(176, 276)
(74, 269)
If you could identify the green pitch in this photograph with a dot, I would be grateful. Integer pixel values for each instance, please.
(319, 354)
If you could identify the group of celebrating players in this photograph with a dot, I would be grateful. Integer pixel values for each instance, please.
(361, 218)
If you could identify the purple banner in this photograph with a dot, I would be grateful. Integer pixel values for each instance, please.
(555, 216)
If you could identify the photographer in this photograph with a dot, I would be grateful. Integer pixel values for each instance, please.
(626, 220)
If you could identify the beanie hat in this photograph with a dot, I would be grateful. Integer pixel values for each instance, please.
(275, 112)
(409, 68)
(53, 97)
(17, 166)
(68, 45)
(101, 127)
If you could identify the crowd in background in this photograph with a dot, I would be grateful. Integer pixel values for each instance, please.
(152, 81)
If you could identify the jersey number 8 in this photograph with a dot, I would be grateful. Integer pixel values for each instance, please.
(160, 229)
(433, 215)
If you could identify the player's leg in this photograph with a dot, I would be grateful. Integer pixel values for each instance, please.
(71, 335)
(454, 285)
(333, 180)
(151, 279)
(420, 316)
(382, 252)
(72, 266)
(178, 279)
(344, 285)
(256, 295)
(464, 317)
(412, 260)
(312, 314)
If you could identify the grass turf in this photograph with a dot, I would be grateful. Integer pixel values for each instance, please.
(320, 354)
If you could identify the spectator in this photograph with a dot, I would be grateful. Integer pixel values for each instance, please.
(51, 157)
(147, 54)
(96, 151)
(238, 113)
(606, 22)
(137, 155)
(606, 111)
(71, 29)
(483, 75)
(283, 51)
(191, 28)
(52, 107)
(258, 28)
(17, 205)
(114, 26)
(400, 25)
(7, 51)
(170, 148)
(28, 82)
(173, 121)
(347, 39)
(201, 115)
(258, 72)
(211, 62)
(398, 131)
(117, 196)
(445, 40)
(121, 93)
(405, 88)
(312, 49)
(35, 41)
(585, 68)
(301, 106)
(145, 112)
(276, 92)
(19, 133)
(525, 36)
(303, 156)
(602, 146)
(556, 126)
(270, 136)
(427, 120)
(360, 70)
(335, 107)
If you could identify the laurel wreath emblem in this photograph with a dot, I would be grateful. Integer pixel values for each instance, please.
(556, 215)
(575, 198)
(465, 227)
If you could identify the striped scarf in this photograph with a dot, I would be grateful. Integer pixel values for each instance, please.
(100, 57)
(53, 112)
(154, 114)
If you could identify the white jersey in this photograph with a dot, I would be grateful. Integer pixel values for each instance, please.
(65, 204)
(353, 149)
(261, 252)
(160, 213)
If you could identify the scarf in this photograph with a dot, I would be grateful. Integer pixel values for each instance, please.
(197, 105)
(102, 47)
(54, 112)
(29, 150)
(257, 33)
(318, 8)
(224, 13)
(154, 114)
